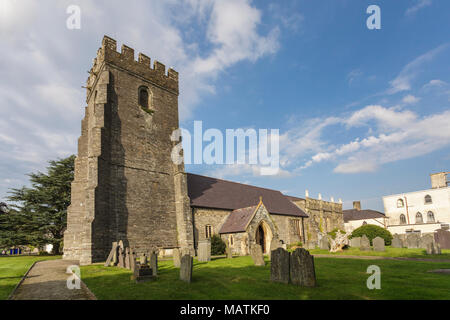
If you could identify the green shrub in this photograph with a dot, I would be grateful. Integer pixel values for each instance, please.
(333, 232)
(217, 245)
(373, 231)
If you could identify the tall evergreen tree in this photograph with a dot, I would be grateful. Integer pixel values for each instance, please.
(38, 213)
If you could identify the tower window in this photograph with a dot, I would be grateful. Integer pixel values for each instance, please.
(428, 199)
(143, 97)
(402, 219)
(400, 203)
(430, 217)
(208, 231)
(419, 218)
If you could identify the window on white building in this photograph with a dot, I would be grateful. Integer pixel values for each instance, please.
(430, 217)
(428, 199)
(402, 219)
(400, 203)
(419, 218)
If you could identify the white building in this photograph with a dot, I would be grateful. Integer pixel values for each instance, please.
(357, 217)
(420, 211)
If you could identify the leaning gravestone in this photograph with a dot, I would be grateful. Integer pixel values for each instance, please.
(378, 244)
(365, 243)
(413, 240)
(154, 263)
(121, 258)
(186, 268)
(301, 268)
(176, 257)
(279, 266)
(355, 242)
(397, 242)
(127, 258)
(257, 255)
(204, 250)
(425, 240)
(324, 244)
(112, 254)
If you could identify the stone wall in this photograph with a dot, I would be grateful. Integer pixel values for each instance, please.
(206, 216)
(126, 186)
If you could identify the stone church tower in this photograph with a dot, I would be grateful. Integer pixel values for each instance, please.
(126, 185)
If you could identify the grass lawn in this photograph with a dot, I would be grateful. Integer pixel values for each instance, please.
(12, 270)
(390, 252)
(240, 279)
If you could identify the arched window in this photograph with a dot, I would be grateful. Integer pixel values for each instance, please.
(419, 218)
(143, 97)
(402, 219)
(400, 203)
(208, 231)
(430, 217)
(428, 199)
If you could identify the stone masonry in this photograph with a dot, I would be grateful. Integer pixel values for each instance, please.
(126, 185)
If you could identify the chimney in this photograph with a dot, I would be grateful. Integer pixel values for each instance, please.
(439, 180)
(357, 205)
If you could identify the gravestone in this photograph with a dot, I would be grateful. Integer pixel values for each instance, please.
(378, 244)
(442, 238)
(438, 249)
(301, 268)
(132, 260)
(111, 255)
(279, 266)
(324, 244)
(355, 242)
(431, 248)
(397, 241)
(186, 268)
(311, 245)
(121, 258)
(365, 243)
(142, 273)
(228, 252)
(204, 250)
(143, 259)
(176, 257)
(425, 240)
(127, 258)
(257, 255)
(274, 245)
(413, 240)
(154, 263)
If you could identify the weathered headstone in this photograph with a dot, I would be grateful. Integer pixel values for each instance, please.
(378, 244)
(431, 249)
(311, 245)
(154, 263)
(228, 252)
(204, 250)
(257, 255)
(132, 260)
(413, 240)
(186, 268)
(355, 242)
(365, 243)
(324, 243)
(274, 245)
(176, 257)
(127, 258)
(301, 269)
(111, 254)
(279, 266)
(143, 259)
(142, 273)
(121, 258)
(442, 237)
(425, 240)
(397, 241)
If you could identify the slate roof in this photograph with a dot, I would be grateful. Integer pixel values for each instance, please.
(207, 192)
(353, 214)
(237, 220)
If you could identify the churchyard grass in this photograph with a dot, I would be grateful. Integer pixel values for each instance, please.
(238, 278)
(12, 269)
(390, 252)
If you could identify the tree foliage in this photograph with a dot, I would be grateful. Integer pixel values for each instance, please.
(372, 231)
(217, 245)
(38, 213)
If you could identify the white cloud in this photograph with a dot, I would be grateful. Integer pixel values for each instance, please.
(410, 99)
(420, 4)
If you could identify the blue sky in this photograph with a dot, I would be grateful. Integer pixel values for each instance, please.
(362, 113)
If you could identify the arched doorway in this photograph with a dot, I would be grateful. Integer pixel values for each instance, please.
(264, 236)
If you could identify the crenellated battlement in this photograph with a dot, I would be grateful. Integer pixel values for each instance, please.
(125, 59)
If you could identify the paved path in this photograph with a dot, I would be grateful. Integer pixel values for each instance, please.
(380, 258)
(47, 280)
